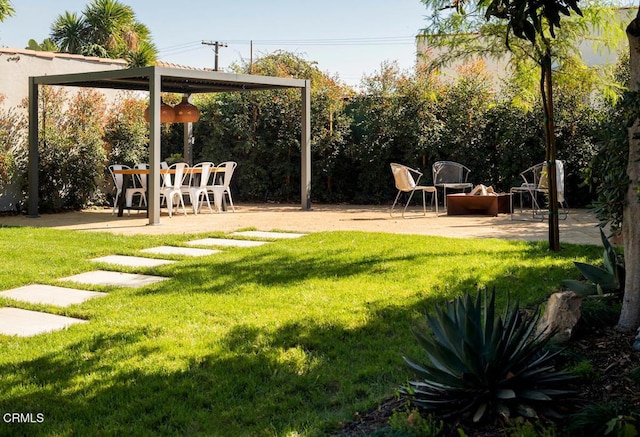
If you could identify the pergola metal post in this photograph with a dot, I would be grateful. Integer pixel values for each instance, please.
(187, 147)
(305, 147)
(34, 158)
(153, 184)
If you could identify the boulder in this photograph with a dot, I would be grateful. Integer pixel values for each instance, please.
(561, 315)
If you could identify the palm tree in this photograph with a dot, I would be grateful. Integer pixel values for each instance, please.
(6, 10)
(144, 55)
(110, 24)
(69, 33)
(107, 28)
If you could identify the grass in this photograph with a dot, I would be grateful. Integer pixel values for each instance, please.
(286, 339)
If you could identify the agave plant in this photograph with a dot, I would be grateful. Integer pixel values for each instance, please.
(482, 365)
(602, 280)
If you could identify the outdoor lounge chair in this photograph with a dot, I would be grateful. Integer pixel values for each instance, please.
(405, 183)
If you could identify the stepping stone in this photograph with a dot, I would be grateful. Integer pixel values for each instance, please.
(262, 234)
(50, 295)
(24, 323)
(175, 250)
(132, 261)
(104, 277)
(226, 242)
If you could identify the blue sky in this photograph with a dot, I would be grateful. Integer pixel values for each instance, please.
(348, 38)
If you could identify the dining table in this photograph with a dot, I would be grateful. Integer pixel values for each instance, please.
(128, 173)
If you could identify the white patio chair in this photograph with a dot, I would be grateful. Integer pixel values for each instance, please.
(221, 185)
(172, 186)
(450, 175)
(198, 186)
(405, 183)
(142, 183)
(535, 185)
(118, 182)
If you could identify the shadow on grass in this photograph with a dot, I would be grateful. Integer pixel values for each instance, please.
(423, 262)
(301, 376)
(304, 376)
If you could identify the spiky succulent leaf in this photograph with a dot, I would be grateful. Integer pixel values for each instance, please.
(597, 275)
(582, 289)
(602, 280)
(483, 363)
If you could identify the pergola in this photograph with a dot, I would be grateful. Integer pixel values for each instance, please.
(156, 80)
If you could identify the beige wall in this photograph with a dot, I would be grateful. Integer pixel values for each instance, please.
(17, 65)
(593, 56)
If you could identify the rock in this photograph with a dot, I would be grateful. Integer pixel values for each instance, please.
(636, 343)
(561, 315)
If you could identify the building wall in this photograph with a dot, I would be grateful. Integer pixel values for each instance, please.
(591, 53)
(17, 65)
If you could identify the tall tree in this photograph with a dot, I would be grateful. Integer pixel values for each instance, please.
(106, 28)
(69, 33)
(6, 10)
(529, 29)
(630, 313)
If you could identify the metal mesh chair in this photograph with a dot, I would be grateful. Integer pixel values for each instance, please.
(450, 175)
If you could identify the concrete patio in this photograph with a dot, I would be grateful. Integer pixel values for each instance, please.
(580, 227)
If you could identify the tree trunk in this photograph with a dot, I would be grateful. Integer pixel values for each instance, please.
(546, 91)
(630, 314)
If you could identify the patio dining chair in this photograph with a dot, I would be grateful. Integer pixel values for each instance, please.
(535, 186)
(222, 185)
(142, 183)
(198, 185)
(172, 187)
(405, 183)
(450, 175)
(129, 192)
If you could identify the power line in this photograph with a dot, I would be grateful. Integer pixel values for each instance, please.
(388, 40)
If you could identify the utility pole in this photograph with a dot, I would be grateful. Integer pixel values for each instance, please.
(216, 45)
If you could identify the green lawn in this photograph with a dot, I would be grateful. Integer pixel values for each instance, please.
(290, 338)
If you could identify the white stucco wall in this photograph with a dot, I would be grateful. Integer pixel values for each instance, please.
(17, 65)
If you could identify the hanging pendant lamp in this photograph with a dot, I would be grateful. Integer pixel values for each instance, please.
(186, 112)
(167, 113)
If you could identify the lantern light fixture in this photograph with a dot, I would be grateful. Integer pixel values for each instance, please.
(186, 112)
(167, 113)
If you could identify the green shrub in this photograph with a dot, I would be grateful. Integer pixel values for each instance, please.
(482, 365)
(71, 149)
(606, 419)
(524, 428)
(127, 134)
(599, 312)
(584, 370)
